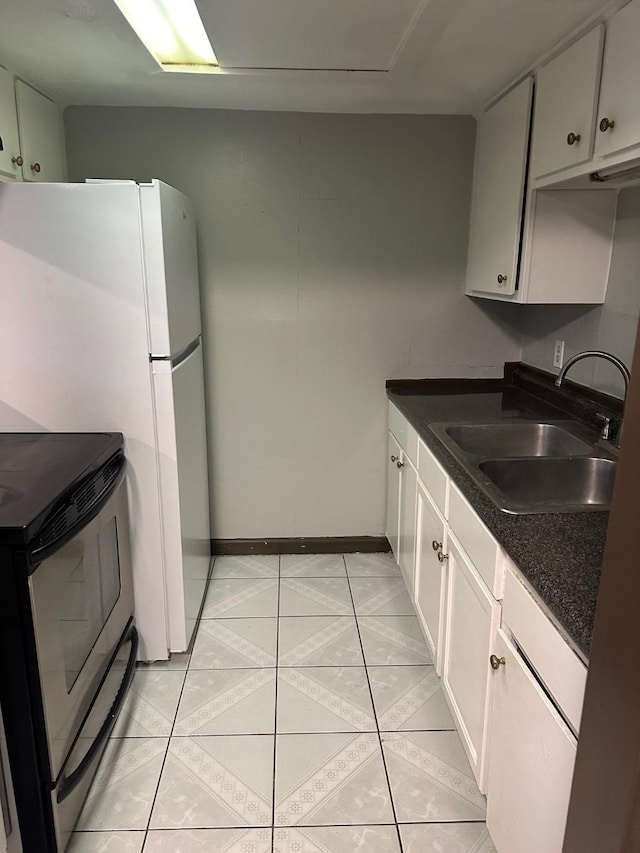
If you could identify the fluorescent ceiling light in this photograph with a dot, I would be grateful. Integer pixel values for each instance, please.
(171, 30)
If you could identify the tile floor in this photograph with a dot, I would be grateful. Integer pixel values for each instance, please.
(308, 719)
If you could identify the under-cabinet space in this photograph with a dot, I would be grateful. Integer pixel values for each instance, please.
(531, 763)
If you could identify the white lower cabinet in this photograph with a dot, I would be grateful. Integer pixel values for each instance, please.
(407, 529)
(472, 620)
(532, 757)
(472, 603)
(394, 455)
(430, 573)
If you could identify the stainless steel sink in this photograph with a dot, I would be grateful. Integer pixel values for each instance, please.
(533, 467)
(516, 439)
(553, 484)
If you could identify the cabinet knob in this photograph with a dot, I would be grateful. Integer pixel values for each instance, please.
(572, 138)
(496, 662)
(442, 557)
(502, 279)
(394, 458)
(399, 464)
(35, 167)
(606, 124)
(436, 545)
(18, 161)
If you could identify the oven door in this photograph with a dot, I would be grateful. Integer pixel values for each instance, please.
(77, 774)
(82, 601)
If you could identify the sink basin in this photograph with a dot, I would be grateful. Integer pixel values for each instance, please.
(526, 466)
(552, 484)
(516, 439)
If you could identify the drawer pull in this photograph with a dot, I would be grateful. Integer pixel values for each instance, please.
(496, 662)
(436, 545)
(442, 557)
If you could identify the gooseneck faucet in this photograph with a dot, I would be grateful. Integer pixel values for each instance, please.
(613, 359)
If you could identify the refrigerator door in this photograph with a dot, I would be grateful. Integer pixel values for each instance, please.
(74, 348)
(171, 269)
(182, 449)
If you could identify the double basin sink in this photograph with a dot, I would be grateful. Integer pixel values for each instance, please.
(529, 467)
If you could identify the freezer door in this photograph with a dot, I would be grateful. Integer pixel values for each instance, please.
(171, 269)
(182, 446)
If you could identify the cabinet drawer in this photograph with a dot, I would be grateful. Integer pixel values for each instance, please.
(558, 667)
(434, 477)
(405, 434)
(485, 553)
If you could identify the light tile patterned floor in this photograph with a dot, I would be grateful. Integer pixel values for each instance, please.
(307, 719)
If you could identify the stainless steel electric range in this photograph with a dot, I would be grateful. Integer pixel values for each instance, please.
(67, 637)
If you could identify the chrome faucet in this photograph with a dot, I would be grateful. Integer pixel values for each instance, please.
(613, 359)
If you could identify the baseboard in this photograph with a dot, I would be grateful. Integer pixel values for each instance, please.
(302, 545)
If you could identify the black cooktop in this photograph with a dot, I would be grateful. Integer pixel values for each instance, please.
(38, 469)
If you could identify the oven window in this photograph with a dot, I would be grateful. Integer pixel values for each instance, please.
(92, 590)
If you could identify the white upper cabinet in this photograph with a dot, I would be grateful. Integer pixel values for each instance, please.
(498, 193)
(9, 139)
(566, 106)
(619, 108)
(41, 135)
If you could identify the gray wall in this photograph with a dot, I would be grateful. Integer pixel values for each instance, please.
(332, 255)
(611, 327)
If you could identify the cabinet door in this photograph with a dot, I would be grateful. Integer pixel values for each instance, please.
(41, 137)
(472, 619)
(394, 455)
(619, 92)
(498, 193)
(9, 141)
(407, 533)
(430, 574)
(566, 106)
(531, 764)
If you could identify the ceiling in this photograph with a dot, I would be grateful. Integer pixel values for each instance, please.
(405, 56)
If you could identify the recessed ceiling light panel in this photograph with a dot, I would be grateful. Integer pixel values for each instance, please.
(172, 31)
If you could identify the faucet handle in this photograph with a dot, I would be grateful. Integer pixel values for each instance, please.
(606, 425)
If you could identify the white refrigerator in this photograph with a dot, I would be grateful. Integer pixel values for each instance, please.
(100, 329)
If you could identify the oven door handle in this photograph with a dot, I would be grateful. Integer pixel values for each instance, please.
(40, 554)
(68, 783)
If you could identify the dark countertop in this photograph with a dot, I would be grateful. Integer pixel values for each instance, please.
(559, 554)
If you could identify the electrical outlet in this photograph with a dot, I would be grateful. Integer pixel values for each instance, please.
(558, 354)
